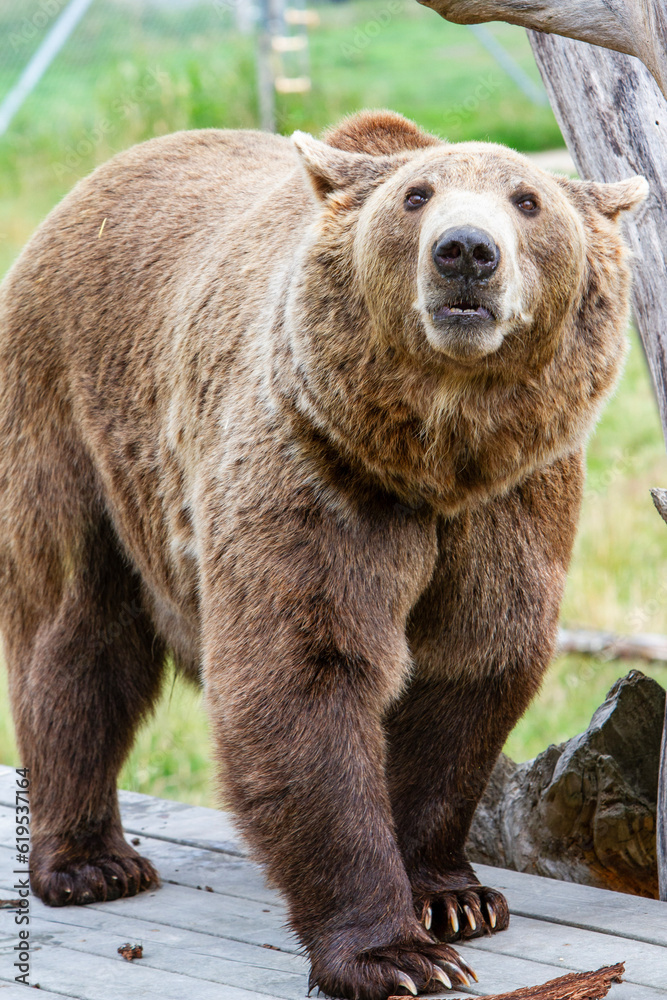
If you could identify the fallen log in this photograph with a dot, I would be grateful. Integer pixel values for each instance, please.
(611, 646)
(583, 811)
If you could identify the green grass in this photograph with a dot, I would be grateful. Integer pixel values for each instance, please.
(133, 71)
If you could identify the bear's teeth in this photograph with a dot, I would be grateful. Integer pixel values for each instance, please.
(463, 310)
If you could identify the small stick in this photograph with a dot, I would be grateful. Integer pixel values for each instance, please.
(574, 986)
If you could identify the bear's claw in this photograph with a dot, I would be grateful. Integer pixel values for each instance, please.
(382, 972)
(403, 979)
(427, 916)
(458, 914)
(74, 881)
(460, 974)
(442, 977)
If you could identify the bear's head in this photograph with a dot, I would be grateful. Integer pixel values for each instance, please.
(470, 270)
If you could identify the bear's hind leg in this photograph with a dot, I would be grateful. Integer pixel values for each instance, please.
(84, 668)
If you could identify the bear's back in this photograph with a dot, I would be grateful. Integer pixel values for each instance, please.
(159, 207)
(140, 247)
(161, 226)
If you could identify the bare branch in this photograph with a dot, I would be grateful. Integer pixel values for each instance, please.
(612, 646)
(636, 27)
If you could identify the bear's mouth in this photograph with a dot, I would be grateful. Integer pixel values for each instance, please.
(463, 310)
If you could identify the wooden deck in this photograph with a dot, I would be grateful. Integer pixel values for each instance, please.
(215, 931)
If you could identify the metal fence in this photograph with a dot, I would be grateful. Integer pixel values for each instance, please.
(44, 37)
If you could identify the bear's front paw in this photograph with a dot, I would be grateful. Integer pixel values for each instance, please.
(457, 914)
(400, 969)
(63, 874)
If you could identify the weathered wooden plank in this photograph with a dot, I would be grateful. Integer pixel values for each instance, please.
(510, 961)
(191, 825)
(211, 913)
(198, 955)
(229, 918)
(195, 867)
(559, 902)
(140, 919)
(577, 949)
(166, 820)
(7, 784)
(91, 977)
(7, 826)
(190, 866)
(184, 953)
(77, 920)
(568, 903)
(13, 991)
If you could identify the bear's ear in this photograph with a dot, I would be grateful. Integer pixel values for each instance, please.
(331, 169)
(379, 133)
(611, 199)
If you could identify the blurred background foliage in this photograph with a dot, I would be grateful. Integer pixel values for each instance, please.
(132, 70)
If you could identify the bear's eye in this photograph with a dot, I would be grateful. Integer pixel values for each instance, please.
(416, 198)
(527, 203)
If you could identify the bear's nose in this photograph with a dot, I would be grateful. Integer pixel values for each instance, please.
(466, 253)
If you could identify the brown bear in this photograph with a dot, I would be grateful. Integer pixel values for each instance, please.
(308, 417)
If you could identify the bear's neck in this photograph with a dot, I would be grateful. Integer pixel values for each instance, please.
(449, 438)
(471, 445)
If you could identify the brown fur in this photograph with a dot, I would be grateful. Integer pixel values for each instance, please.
(225, 433)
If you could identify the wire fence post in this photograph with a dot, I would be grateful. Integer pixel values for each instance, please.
(537, 95)
(41, 61)
(265, 84)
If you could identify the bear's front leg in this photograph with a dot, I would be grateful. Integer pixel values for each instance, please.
(298, 674)
(482, 636)
(297, 726)
(445, 737)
